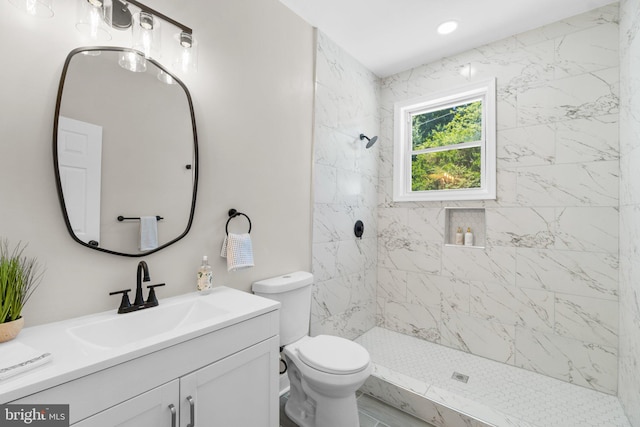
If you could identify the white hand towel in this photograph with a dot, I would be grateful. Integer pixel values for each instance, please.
(223, 251)
(17, 357)
(148, 233)
(238, 250)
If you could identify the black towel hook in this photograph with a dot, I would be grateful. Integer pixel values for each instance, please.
(232, 214)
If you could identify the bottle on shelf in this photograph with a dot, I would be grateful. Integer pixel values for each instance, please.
(468, 237)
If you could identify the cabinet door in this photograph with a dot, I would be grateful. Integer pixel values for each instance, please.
(238, 391)
(150, 409)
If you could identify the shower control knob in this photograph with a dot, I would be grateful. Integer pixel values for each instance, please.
(358, 229)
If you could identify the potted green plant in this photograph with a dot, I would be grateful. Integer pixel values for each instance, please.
(19, 277)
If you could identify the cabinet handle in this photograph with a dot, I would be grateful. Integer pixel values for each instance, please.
(172, 408)
(192, 410)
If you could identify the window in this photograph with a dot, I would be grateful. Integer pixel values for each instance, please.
(445, 145)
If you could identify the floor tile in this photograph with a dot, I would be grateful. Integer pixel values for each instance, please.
(494, 393)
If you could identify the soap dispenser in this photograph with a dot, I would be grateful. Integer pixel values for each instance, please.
(459, 236)
(468, 237)
(205, 276)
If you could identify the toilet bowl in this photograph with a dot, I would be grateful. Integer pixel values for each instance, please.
(324, 371)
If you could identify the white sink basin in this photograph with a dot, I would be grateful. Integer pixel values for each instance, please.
(124, 329)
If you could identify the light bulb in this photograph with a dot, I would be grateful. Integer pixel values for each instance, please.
(447, 27)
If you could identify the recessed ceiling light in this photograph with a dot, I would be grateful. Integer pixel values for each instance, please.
(447, 27)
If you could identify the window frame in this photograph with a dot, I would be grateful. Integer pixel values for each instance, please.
(404, 110)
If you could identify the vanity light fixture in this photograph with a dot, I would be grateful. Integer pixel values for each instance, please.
(447, 27)
(90, 20)
(39, 8)
(186, 39)
(145, 33)
(97, 15)
(146, 21)
(186, 58)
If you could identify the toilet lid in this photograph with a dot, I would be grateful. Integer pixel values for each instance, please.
(333, 355)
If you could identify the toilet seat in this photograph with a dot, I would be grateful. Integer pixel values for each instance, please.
(333, 355)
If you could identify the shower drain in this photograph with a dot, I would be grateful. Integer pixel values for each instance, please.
(460, 377)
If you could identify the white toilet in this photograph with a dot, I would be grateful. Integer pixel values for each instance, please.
(324, 371)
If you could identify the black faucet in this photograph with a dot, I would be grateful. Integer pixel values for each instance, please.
(139, 303)
(142, 267)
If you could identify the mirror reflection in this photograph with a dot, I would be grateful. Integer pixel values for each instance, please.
(125, 152)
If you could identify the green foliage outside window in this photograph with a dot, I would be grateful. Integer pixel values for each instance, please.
(452, 168)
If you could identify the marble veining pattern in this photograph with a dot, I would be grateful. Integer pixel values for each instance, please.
(521, 227)
(587, 319)
(543, 292)
(629, 371)
(579, 184)
(589, 365)
(566, 99)
(530, 308)
(591, 229)
(495, 264)
(574, 57)
(569, 272)
(345, 190)
(587, 140)
(528, 145)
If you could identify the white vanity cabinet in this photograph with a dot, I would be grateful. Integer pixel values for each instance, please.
(232, 392)
(227, 378)
(155, 408)
(235, 391)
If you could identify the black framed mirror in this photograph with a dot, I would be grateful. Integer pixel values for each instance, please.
(125, 152)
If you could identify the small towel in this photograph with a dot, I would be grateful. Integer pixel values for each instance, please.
(17, 357)
(238, 251)
(148, 233)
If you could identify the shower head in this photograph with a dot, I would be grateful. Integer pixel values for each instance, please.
(370, 141)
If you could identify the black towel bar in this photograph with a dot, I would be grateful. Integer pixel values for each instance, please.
(126, 218)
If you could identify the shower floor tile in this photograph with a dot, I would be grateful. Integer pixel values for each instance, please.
(418, 376)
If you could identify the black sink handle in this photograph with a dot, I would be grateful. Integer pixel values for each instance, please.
(152, 300)
(125, 303)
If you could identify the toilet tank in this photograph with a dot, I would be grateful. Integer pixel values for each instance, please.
(293, 292)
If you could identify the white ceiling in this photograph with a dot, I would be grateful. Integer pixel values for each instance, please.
(389, 36)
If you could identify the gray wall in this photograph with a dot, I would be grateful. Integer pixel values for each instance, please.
(629, 387)
(253, 99)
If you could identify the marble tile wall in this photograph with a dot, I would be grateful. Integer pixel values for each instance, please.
(543, 293)
(629, 375)
(345, 190)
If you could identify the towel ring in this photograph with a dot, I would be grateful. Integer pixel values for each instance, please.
(232, 214)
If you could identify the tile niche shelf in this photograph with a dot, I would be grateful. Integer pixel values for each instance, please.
(464, 218)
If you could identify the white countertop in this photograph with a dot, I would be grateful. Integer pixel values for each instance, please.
(74, 358)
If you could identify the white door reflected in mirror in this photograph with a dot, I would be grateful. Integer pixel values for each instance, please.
(80, 163)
